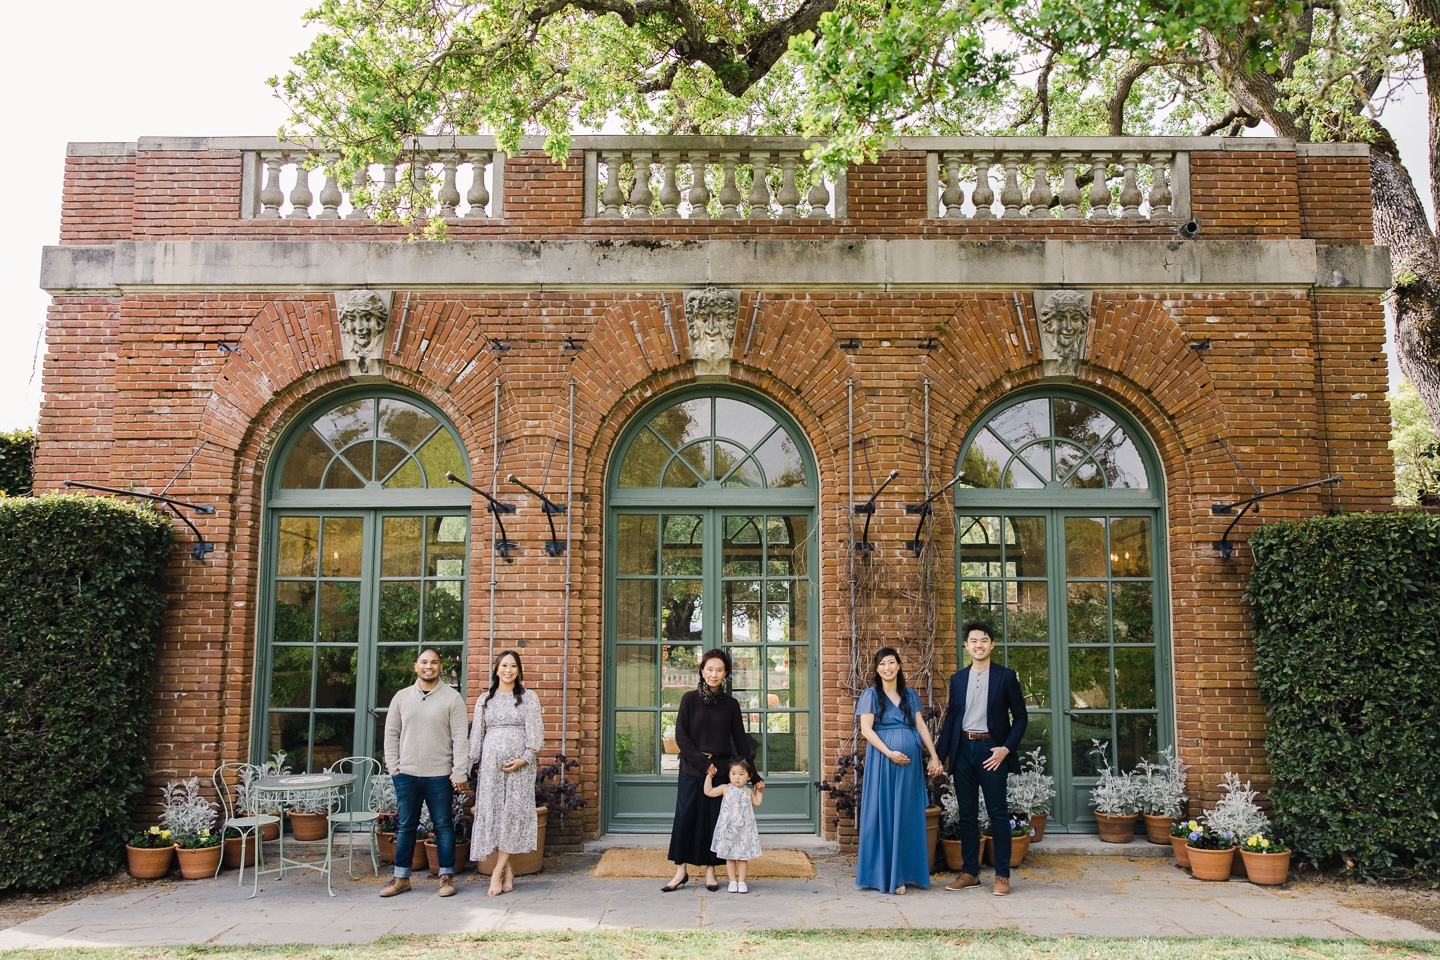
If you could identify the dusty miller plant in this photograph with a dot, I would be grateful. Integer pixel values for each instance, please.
(1236, 815)
(382, 795)
(251, 802)
(1116, 793)
(1031, 791)
(1162, 785)
(186, 812)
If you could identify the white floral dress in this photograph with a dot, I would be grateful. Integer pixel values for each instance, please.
(736, 835)
(505, 802)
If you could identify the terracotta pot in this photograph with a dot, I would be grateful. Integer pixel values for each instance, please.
(522, 864)
(462, 856)
(199, 864)
(1037, 822)
(417, 859)
(309, 826)
(232, 851)
(1116, 829)
(987, 852)
(147, 864)
(386, 844)
(1237, 866)
(1019, 846)
(1157, 829)
(954, 853)
(1182, 851)
(932, 834)
(672, 747)
(1267, 869)
(271, 831)
(1211, 864)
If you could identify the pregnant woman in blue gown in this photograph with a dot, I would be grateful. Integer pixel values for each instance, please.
(892, 797)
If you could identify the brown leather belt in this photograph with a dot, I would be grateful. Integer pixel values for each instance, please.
(976, 736)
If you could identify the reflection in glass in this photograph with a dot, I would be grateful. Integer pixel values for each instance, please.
(444, 612)
(452, 665)
(361, 458)
(635, 610)
(298, 547)
(683, 615)
(745, 679)
(339, 613)
(405, 423)
(683, 422)
(306, 463)
(787, 743)
(683, 530)
(400, 612)
(445, 546)
(1080, 422)
(1130, 546)
(1037, 455)
(1021, 477)
(290, 669)
(732, 466)
(679, 672)
(1085, 757)
(347, 423)
(1086, 613)
(1135, 678)
(408, 477)
(335, 676)
(1023, 422)
(980, 546)
(796, 660)
(387, 458)
(290, 734)
(1085, 547)
(334, 739)
(780, 459)
(637, 545)
(1027, 617)
(635, 742)
(1124, 469)
(341, 476)
(740, 421)
(1089, 678)
(1066, 459)
(439, 456)
(1025, 546)
(340, 547)
(1086, 477)
(1135, 739)
(984, 460)
(400, 546)
(635, 674)
(1037, 734)
(394, 670)
(1032, 664)
(643, 461)
(787, 552)
(1134, 613)
(294, 612)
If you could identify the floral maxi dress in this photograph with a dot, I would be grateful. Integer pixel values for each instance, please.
(736, 835)
(505, 802)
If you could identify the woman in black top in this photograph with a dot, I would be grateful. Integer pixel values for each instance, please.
(709, 731)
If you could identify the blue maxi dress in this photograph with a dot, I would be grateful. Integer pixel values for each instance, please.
(892, 802)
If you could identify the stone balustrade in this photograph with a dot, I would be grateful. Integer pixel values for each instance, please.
(462, 178)
(703, 178)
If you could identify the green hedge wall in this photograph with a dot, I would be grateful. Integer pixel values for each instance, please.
(17, 463)
(1347, 633)
(81, 604)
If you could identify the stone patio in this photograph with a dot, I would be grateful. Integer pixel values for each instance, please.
(1054, 895)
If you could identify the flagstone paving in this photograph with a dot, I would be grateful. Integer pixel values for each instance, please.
(1053, 896)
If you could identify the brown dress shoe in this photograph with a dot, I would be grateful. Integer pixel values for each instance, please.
(447, 885)
(1002, 886)
(962, 881)
(396, 885)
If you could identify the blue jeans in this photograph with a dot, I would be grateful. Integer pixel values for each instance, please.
(437, 794)
(971, 778)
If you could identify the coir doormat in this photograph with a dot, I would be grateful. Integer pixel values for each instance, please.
(633, 863)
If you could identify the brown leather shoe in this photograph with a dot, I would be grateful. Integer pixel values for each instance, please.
(447, 885)
(1002, 886)
(396, 885)
(962, 881)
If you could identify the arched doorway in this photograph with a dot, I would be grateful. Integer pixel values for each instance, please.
(364, 562)
(1061, 547)
(710, 541)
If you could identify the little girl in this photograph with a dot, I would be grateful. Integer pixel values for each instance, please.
(736, 837)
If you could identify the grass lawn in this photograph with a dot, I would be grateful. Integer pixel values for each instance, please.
(764, 945)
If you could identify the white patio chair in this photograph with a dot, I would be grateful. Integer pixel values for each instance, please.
(357, 808)
(228, 779)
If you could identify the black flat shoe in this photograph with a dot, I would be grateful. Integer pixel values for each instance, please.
(673, 888)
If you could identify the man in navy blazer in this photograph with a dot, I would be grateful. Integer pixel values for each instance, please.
(980, 743)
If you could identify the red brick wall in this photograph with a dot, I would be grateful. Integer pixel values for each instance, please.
(1335, 198)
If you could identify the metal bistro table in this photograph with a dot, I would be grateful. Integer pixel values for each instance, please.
(286, 788)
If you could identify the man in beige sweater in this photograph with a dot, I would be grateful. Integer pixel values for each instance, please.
(427, 753)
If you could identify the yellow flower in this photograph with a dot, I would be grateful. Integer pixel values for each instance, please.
(155, 830)
(1193, 825)
(204, 833)
(165, 834)
(1264, 842)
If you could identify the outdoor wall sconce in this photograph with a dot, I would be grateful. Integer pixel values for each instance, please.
(922, 510)
(554, 547)
(199, 549)
(1223, 546)
(504, 546)
(863, 546)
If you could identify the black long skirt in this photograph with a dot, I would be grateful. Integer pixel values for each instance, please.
(694, 828)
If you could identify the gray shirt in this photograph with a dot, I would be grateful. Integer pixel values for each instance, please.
(977, 702)
(425, 733)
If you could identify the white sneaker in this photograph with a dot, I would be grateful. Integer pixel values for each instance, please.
(734, 887)
(743, 888)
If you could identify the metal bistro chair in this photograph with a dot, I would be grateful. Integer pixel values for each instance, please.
(357, 807)
(227, 777)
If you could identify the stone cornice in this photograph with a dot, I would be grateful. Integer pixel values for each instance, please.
(779, 265)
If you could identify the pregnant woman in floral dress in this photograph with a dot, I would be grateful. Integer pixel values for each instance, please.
(505, 737)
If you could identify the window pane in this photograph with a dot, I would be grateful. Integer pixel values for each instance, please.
(982, 601)
(1087, 477)
(1067, 455)
(339, 612)
(1020, 477)
(743, 546)
(400, 546)
(334, 739)
(1033, 666)
(294, 612)
(1025, 546)
(683, 531)
(395, 670)
(341, 476)
(980, 546)
(407, 477)
(1134, 613)
(1086, 613)
(679, 672)
(400, 612)
(452, 665)
(444, 613)
(440, 455)
(1130, 546)
(635, 743)
(984, 460)
(306, 463)
(290, 669)
(1037, 734)
(1023, 422)
(1037, 455)
(445, 546)
(1085, 547)
(405, 423)
(681, 476)
(635, 673)
(1084, 755)
(781, 461)
(741, 422)
(1089, 678)
(347, 423)
(637, 542)
(742, 612)
(643, 461)
(790, 675)
(341, 547)
(727, 457)
(1135, 678)
(387, 458)
(789, 544)
(669, 747)
(745, 676)
(1027, 618)
(290, 735)
(1124, 469)
(635, 610)
(335, 677)
(362, 458)
(788, 747)
(682, 423)
(683, 612)
(1135, 739)
(1080, 422)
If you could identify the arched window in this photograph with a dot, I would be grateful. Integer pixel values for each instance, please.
(365, 557)
(1060, 550)
(709, 540)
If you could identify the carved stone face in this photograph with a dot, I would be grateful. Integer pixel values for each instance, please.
(1066, 318)
(364, 317)
(710, 316)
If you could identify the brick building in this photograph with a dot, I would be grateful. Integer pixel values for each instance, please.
(709, 378)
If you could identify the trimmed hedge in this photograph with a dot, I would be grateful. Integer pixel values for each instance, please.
(81, 604)
(1347, 646)
(17, 463)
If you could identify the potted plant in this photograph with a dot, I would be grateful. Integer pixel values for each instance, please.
(1267, 859)
(667, 738)
(310, 816)
(149, 852)
(1180, 832)
(233, 843)
(463, 818)
(844, 786)
(1161, 788)
(934, 791)
(1031, 792)
(1211, 854)
(190, 818)
(385, 826)
(1115, 799)
(1237, 815)
(950, 846)
(554, 793)
(254, 804)
(1019, 840)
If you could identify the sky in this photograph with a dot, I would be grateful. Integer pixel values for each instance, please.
(89, 70)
